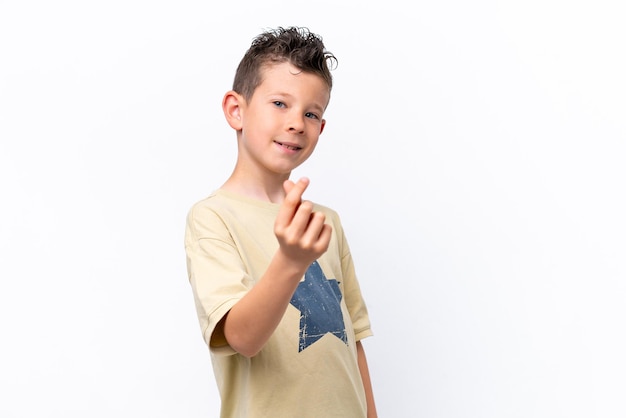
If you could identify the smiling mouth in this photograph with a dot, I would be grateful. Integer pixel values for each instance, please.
(291, 147)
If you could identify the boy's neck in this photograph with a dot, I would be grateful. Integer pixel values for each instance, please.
(265, 190)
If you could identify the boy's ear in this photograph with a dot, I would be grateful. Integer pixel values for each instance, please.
(232, 107)
(323, 125)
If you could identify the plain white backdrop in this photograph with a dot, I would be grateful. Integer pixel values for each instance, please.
(475, 151)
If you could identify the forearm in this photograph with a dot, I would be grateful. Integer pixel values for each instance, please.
(367, 383)
(253, 319)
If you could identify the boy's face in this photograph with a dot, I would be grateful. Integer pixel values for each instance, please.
(282, 121)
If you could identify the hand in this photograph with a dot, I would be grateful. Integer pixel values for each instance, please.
(302, 234)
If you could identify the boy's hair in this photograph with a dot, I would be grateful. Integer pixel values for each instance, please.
(295, 45)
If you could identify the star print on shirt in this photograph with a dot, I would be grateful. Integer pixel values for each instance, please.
(318, 300)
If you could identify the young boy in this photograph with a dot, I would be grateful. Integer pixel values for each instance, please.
(273, 281)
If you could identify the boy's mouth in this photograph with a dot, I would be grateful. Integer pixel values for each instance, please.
(289, 146)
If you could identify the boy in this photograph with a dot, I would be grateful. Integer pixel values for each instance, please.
(273, 281)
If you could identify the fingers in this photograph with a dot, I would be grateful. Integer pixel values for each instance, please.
(306, 224)
(292, 200)
(301, 232)
(316, 236)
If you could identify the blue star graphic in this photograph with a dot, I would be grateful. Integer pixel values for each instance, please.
(318, 300)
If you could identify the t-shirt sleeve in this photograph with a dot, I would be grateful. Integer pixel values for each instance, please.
(352, 291)
(216, 273)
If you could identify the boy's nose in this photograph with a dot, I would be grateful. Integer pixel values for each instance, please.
(296, 124)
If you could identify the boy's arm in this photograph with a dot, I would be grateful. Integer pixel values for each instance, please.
(367, 383)
(303, 237)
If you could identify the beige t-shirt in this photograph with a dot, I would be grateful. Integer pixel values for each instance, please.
(308, 368)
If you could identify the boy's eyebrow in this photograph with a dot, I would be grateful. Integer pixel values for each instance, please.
(315, 105)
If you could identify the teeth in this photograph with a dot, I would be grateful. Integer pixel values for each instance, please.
(289, 146)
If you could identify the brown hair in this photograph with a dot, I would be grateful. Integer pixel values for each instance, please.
(295, 45)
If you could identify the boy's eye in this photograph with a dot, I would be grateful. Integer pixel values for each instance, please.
(311, 115)
(278, 103)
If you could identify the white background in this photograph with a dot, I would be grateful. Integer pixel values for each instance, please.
(475, 151)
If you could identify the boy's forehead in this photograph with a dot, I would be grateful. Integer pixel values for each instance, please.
(281, 75)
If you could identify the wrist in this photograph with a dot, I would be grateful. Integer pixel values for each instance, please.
(290, 267)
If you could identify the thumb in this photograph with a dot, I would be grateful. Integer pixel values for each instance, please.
(288, 185)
